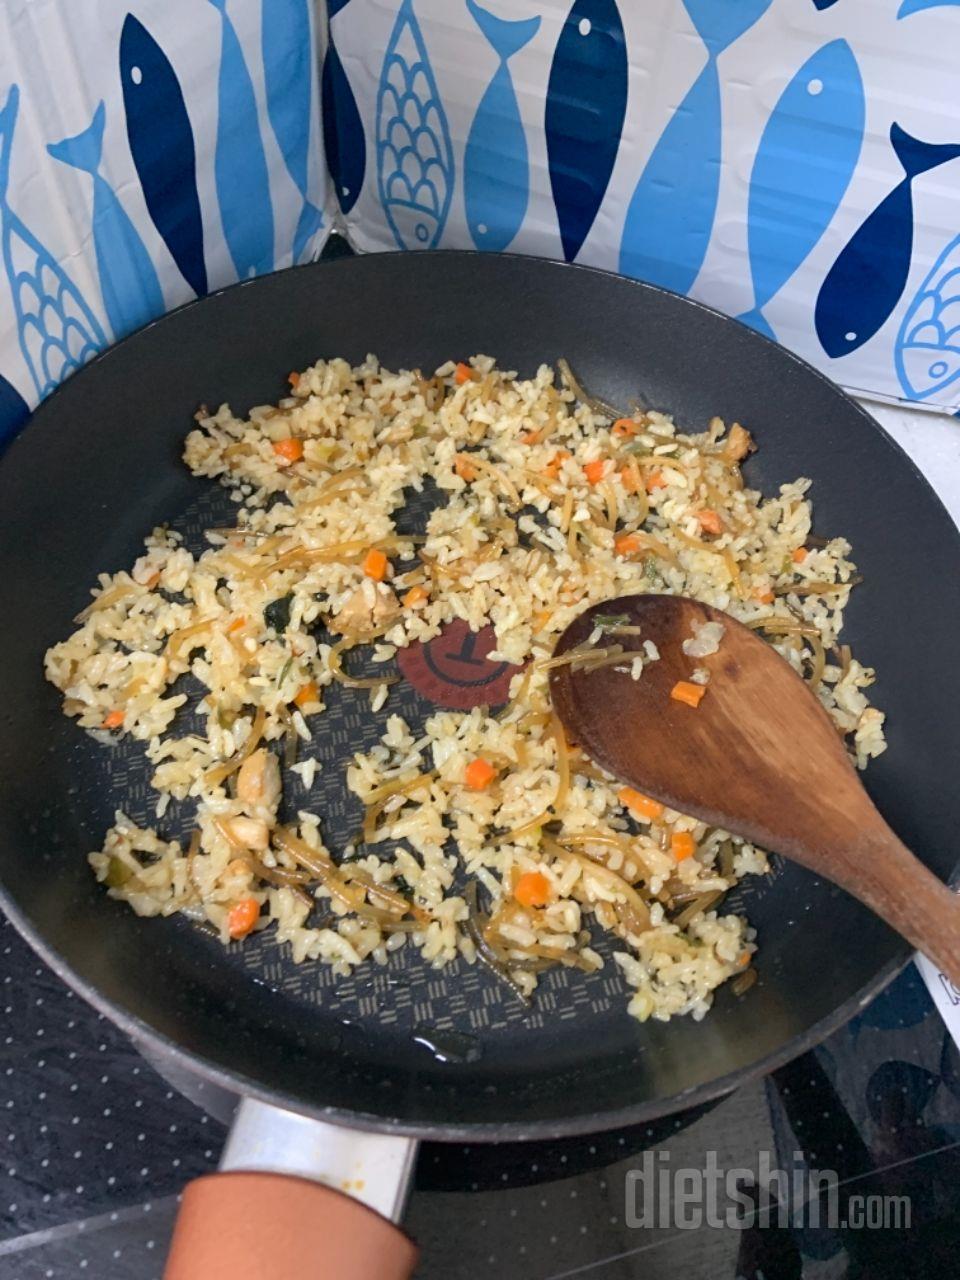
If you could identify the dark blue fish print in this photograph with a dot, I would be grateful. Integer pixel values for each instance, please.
(824, 4)
(343, 140)
(865, 283)
(287, 43)
(14, 411)
(58, 331)
(161, 143)
(243, 181)
(128, 279)
(586, 104)
(927, 352)
(496, 174)
(670, 218)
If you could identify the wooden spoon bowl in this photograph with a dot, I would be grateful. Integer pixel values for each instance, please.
(759, 756)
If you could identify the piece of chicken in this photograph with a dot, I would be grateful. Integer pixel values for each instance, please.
(370, 608)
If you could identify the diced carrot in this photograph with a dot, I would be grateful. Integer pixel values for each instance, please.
(243, 916)
(290, 449)
(743, 959)
(479, 774)
(532, 889)
(236, 625)
(625, 427)
(552, 469)
(416, 595)
(375, 564)
(541, 619)
(594, 470)
(799, 555)
(682, 845)
(462, 374)
(112, 720)
(688, 692)
(293, 379)
(530, 437)
(306, 694)
(153, 580)
(629, 477)
(638, 803)
(765, 596)
(626, 544)
(464, 468)
(655, 481)
(709, 521)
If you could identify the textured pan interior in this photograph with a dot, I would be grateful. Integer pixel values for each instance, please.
(99, 465)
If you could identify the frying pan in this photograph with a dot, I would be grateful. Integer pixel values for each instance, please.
(99, 465)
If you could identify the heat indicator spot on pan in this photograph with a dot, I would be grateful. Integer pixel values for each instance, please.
(453, 670)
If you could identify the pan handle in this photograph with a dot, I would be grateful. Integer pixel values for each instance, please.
(297, 1199)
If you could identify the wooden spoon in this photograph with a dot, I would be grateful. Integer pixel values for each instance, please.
(759, 757)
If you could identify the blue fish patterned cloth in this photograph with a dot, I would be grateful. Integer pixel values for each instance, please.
(496, 173)
(803, 166)
(161, 143)
(586, 105)
(128, 280)
(916, 6)
(928, 345)
(14, 411)
(865, 283)
(288, 73)
(669, 221)
(243, 181)
(56, 329)
(414, 153)
(343, 139)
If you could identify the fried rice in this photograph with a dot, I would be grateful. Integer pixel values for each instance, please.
(548, 501)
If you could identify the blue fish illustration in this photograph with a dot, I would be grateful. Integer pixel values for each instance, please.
(803, 166)
(824, 4)
(496, 176)
(288, 71)
(243, 183)
(14, 410)
(128, 281)
(56, 329)
(670, 218)
(414, 153)
(161, 143)
(586, 104)
(927, 352)
(343, 140)
(916, 6)
(864, 284)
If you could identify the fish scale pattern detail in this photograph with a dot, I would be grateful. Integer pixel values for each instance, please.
(737, 151)
(414, 152)
(160, 152)
(758, 155)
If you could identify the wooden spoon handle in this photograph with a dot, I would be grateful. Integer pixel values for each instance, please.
(894, 883)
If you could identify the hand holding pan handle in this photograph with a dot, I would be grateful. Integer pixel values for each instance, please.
(297, 1199)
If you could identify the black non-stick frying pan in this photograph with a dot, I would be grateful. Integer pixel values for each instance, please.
(99, 466)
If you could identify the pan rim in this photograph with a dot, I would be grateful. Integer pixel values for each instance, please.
(485, 1131)
(585, 1123)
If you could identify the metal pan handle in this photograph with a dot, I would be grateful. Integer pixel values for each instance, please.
(297, 1199)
